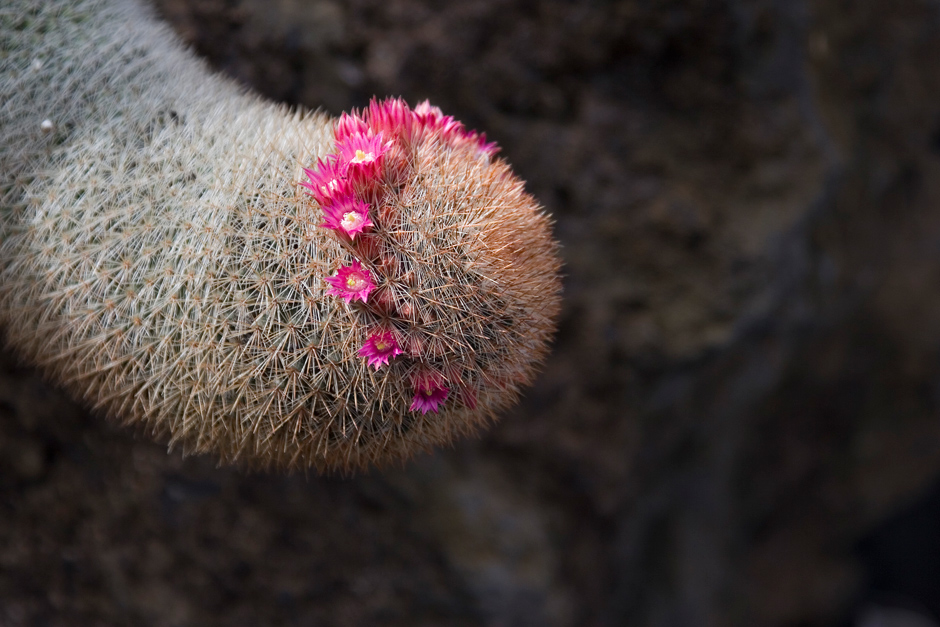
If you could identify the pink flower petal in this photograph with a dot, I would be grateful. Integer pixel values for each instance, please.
(392, 118)
(349, 125)
(327, 180)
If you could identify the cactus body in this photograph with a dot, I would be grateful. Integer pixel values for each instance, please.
(161, 257)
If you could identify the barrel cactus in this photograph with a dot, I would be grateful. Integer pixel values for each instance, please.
(279, 288)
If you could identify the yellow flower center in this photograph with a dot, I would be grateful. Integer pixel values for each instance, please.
(362, 156)
(353, 282)
(351, 220)
(380, 345)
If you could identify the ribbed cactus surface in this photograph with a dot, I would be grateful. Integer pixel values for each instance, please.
(169, 254)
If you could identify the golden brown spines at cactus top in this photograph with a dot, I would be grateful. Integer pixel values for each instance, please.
(161, 259)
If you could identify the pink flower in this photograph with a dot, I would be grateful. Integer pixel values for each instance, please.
(362, 153)
(327, 180)
(347, 215)
(349, 125)
(432, 120)
(379, 348)
(351, 282)
(429, 398)
(392, 118)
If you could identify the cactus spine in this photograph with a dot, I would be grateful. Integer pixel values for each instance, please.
(164, 253)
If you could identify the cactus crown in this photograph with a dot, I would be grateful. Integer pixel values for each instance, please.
(431, 301)
(281, 290)
(446, 268)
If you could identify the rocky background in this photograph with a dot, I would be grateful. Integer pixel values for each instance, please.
(739, 424)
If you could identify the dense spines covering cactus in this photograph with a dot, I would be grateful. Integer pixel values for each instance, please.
(165, 253)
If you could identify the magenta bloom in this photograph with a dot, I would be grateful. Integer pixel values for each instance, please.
(349, 125)
(379, 348)
(392, 118)
(351, 282)
(432, 120)
(347, 215)
(327, 180)
(362, 153)
(429, 398)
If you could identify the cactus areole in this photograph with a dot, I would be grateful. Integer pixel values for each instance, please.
(280, 289)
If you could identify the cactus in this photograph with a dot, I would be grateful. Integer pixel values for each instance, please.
(275, 287)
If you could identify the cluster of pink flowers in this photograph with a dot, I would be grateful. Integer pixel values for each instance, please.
(371, 157)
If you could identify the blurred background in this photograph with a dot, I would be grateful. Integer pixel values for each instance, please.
(739, 423)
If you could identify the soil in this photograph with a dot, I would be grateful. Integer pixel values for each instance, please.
(743, 398)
